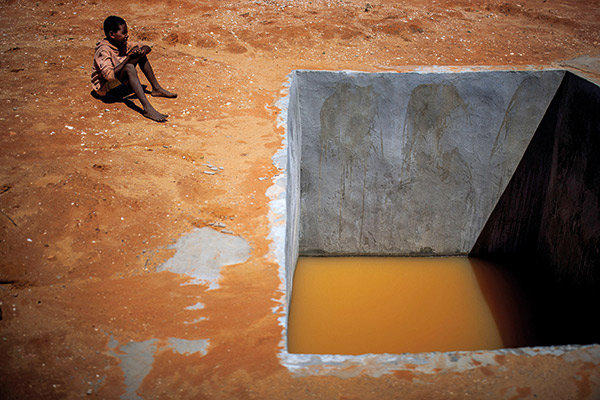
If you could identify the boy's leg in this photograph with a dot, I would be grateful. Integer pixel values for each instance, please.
(129, 75)
(157, 90)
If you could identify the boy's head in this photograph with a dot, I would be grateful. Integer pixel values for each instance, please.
(112, 24)
(115, 29)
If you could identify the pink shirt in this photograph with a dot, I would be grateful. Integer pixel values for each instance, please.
(106, 58)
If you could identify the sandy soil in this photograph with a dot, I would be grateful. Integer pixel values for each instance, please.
(91, 194)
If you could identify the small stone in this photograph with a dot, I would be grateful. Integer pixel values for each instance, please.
(209, 172)
(89, 392)
(214, 168)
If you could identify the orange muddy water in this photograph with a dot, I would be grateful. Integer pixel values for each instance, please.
(358, 305)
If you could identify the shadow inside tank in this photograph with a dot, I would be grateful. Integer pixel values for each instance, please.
(545, 229)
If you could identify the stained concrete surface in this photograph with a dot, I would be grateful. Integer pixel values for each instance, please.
(586, 65)
(202, 253)
(377, 365)
(185, 346)
(408, 163)
(136, 359)
(136, 362)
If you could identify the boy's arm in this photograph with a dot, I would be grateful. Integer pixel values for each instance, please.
(119, 67)
(104, 63)
(132, 56)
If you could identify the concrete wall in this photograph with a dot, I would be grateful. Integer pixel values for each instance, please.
(405, 163)
(292, 232)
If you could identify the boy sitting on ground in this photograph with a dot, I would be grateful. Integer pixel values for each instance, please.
(115, 62)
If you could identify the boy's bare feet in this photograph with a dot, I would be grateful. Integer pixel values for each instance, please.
(162, 92)
(154, 115)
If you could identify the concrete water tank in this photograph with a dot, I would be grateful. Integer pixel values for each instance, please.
(496, 164)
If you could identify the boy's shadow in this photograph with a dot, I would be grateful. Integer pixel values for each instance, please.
(121, 94)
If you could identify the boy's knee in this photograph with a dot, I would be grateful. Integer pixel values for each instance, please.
(129, 68)
(129, 72)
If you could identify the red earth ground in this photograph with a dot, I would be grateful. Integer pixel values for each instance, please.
(91, 194)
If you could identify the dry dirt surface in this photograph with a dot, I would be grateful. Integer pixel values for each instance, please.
(92, 194)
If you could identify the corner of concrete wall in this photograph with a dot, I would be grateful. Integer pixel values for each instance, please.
(512, 229)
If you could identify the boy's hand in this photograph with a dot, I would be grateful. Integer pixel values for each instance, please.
(138, 51)
(135, 51)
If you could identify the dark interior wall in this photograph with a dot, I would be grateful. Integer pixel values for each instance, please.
(547, 222)
(550, 209)
(570, 227)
